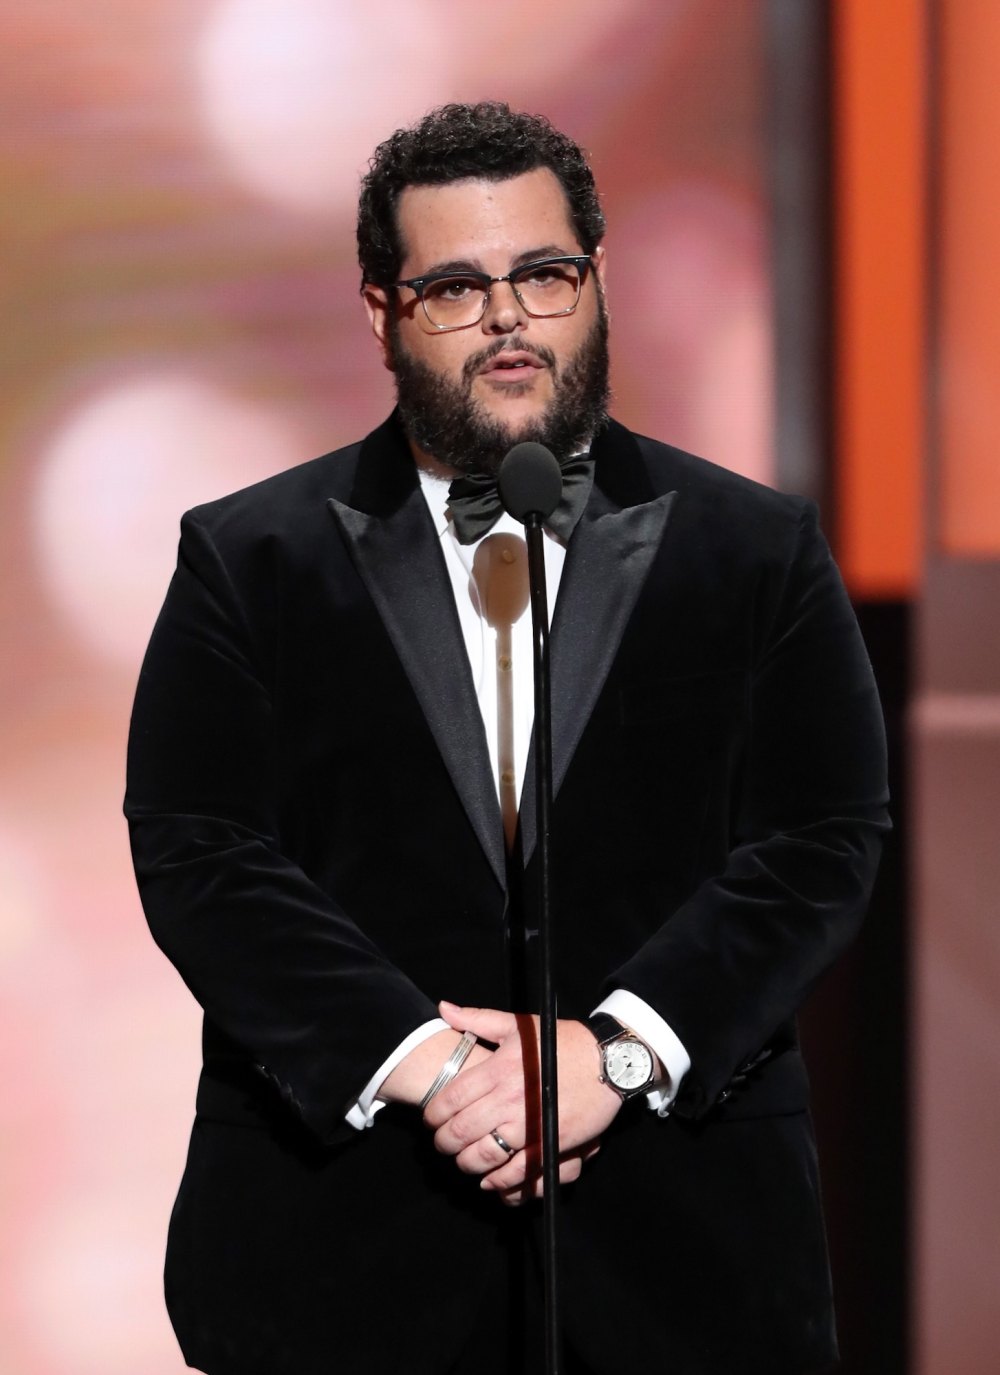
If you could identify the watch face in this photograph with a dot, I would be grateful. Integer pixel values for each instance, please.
(628, 1064)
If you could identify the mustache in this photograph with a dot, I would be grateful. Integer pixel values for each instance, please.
(476, 361)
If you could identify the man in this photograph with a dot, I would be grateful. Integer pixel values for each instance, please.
(325, 763)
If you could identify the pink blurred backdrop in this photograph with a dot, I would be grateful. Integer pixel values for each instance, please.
(181, 318)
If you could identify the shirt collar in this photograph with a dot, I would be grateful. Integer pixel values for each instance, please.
(435, 490)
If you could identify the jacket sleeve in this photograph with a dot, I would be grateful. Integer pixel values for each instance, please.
(733, 963)
(278, 967)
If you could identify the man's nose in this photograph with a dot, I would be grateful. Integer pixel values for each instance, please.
(504, 312)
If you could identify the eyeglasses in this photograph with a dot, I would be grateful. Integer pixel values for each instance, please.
(455, 300)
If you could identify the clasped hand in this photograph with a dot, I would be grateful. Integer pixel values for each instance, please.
(502, 1092)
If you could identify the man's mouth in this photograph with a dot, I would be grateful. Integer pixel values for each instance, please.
(516, 363)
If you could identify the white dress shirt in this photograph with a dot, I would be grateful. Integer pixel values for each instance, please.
(496, 650)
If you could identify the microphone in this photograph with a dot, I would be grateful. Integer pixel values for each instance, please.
(530, 482)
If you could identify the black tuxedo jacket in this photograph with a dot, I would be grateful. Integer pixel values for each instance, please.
(318, 845)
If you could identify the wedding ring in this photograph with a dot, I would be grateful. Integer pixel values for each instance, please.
(504, 1145)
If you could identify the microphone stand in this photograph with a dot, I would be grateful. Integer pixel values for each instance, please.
(530, 484)
(543, 807)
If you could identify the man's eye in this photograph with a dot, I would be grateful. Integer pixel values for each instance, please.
(549, 277)
(450, 289)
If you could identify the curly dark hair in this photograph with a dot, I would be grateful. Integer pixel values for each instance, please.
(456, 142)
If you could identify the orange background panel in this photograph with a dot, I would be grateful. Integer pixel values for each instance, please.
(969, 266)
(879, 179)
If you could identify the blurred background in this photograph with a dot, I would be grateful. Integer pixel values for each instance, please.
(803, 212)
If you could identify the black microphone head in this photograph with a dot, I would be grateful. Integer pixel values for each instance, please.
(530, 482)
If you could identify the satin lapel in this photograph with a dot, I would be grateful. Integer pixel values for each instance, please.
(398, 560)
(607, 562)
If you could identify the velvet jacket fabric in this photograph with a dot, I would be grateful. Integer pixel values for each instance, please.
(319, 850)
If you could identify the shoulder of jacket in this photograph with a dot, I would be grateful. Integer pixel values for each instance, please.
(699, 476)
(317, 478)
(719, 497)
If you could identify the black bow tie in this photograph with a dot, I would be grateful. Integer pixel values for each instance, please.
(475, 505)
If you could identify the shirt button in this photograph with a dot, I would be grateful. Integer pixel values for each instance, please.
(507, 555)
(507, 776)
(504, 661)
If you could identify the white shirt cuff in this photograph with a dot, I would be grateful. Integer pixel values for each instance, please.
(649, 1026)
(362, 1111)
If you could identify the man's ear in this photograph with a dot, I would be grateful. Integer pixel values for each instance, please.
(378, 305)
(600, 268)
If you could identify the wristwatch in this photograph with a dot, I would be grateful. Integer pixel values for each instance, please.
(626, 1062)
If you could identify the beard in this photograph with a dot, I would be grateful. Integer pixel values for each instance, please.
(447, 422)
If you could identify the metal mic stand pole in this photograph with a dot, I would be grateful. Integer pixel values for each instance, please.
(543, 809)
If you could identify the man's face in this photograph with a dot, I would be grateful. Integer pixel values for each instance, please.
(460, 398)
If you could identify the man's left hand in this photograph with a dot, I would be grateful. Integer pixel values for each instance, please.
(503, 1095)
